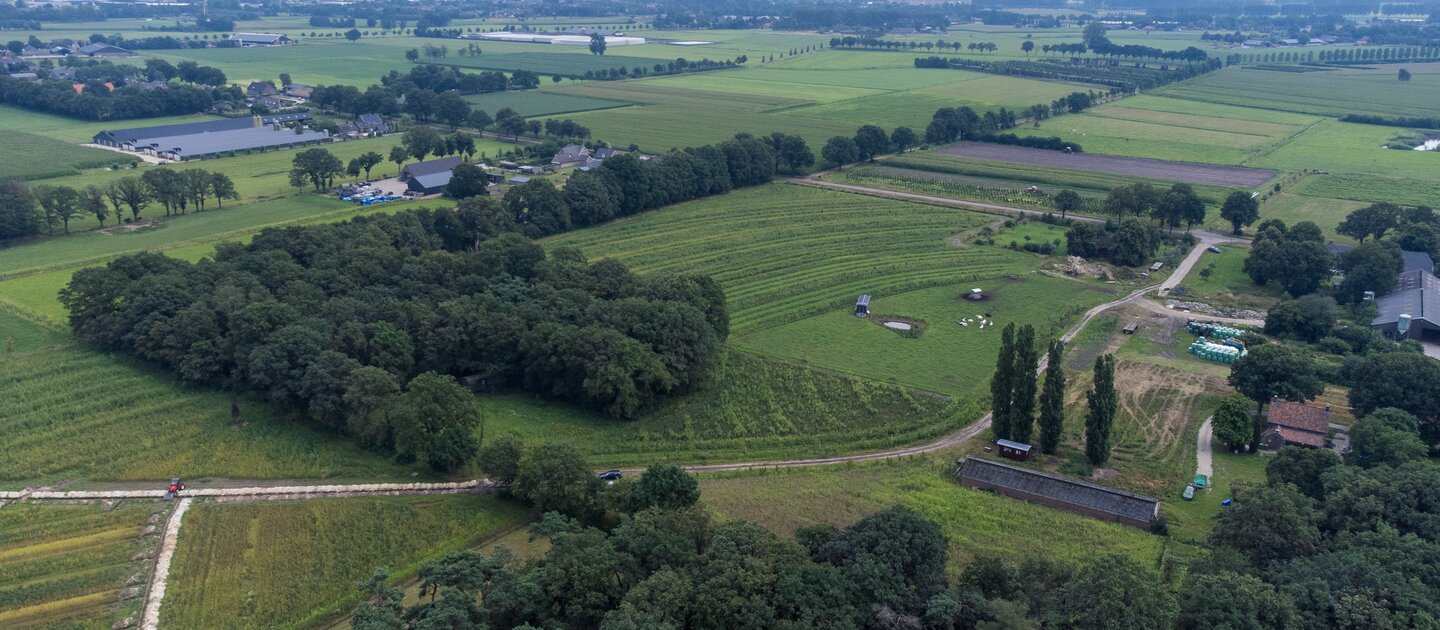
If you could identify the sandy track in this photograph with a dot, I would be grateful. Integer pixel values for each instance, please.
(1135, 167)
(150, 617)
(311, 491)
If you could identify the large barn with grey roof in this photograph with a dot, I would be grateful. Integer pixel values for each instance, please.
(211, 138)
(1059, 491)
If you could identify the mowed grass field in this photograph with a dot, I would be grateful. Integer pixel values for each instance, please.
(64, 565)
(69, 413)
(1228, 284)
(290, 564)
(975, 523)
(530, 103)
(31, 157)
(948, 357)
(1361, 90)
(1171, 129)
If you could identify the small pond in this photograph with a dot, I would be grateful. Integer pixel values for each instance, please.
(893, 325)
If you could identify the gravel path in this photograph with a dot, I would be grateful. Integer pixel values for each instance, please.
(1204, 452)
(150, 618)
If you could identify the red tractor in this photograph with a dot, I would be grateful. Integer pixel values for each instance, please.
(176, 485)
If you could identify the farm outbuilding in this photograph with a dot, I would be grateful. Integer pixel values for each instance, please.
(213, 138)
(442, 165)
(1412, 310)
(862, 306)
(1013, 450)
(1294, 424)
(1058, 491)
(246, 40)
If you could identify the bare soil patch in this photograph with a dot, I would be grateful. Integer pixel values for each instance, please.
(1135, 167)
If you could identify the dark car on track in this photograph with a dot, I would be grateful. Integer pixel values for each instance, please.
(610, 475)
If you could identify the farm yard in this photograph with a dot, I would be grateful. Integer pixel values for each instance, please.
(254, 564)
(66, 565)
(1149, 168)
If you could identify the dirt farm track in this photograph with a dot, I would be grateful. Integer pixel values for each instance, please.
(1135, 167)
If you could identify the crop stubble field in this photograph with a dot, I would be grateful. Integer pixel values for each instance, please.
(1153, 169)
(64, 565)
(290, 564)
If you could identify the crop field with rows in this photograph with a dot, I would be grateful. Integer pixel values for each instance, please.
(754, 408)
(32, 157)
(64, 566)
(532, 103)
(289, 564)
(55, 401)
(1007, 192)
(785, 252)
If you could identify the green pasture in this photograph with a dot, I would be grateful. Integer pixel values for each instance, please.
(532, 103)
(1119, 129)
(64, 565)
(947, 357)
(1351, 149)
(290, 564)
(1228, 284)
(313, 61)
(975, 522)
(813, 102)
(30, 157)
(1294, 206)
(1372, 90)
(754, 408)
(549, 63)
(56, 401)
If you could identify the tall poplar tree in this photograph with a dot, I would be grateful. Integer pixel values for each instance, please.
(1101, 417)
(1052, 400)
(1002, 385)
(1022, 402)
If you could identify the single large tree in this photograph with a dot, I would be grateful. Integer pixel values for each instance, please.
(1373, 220)
(132, 192)
(1100, 419)
(1022, 402)
(1234, 422)
(1068, 201)
(840, 151)
(319, 166)
(903, 138)
(664, 486)
(597, 44)
(555, 477)
(1052, 399)
(1240, 209)
(1272, 371)
(1269, 523)
(435, 420)
(1002, 384)
(871, 141)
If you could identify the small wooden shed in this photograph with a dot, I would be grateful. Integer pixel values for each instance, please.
(1130, 328)
(1013, 450)
(862, 306)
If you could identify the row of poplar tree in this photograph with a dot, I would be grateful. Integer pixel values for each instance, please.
(1014, 387)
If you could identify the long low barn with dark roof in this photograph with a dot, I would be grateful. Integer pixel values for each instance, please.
(189, 141)
(1059, 491)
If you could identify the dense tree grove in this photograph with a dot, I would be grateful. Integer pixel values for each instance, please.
(59, 97)
(30, 210)
(332, 319)
(1326, 544)
(1294, 257)
(1131, 242)
(644, 554)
